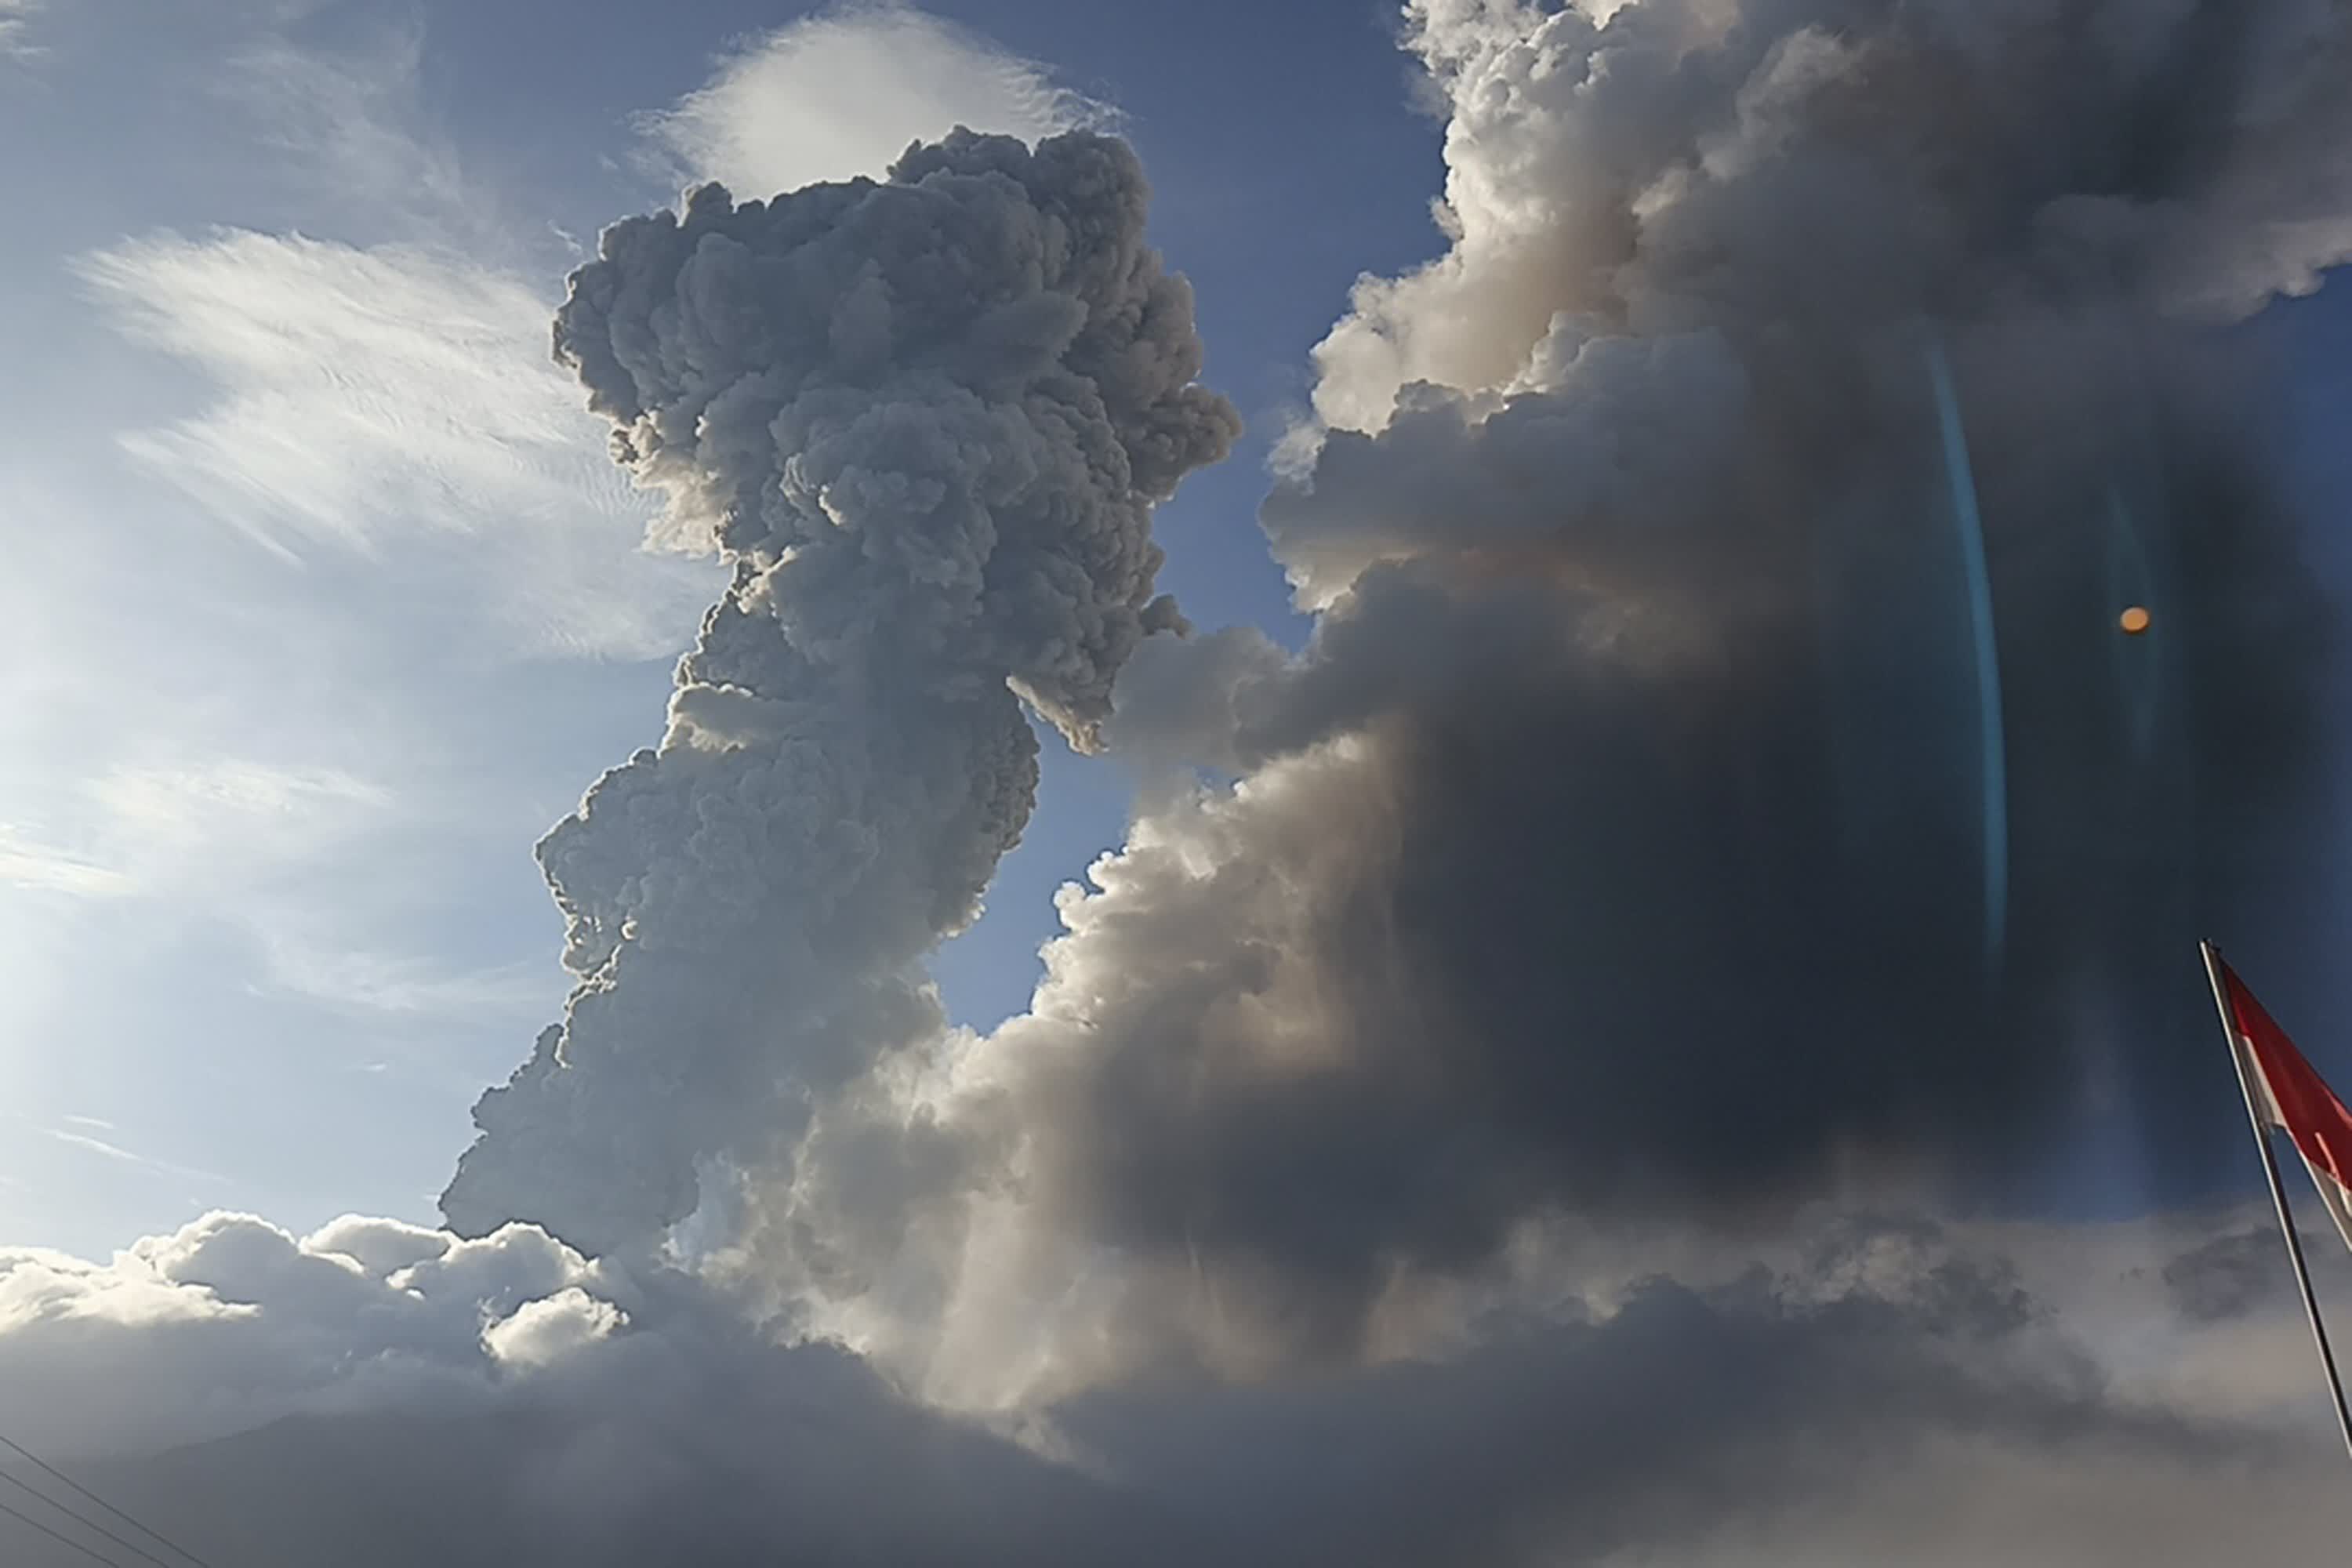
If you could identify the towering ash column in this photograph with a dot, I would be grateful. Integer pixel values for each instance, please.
(926, 420)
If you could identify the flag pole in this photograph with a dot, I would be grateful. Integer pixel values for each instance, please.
(2278, 1191)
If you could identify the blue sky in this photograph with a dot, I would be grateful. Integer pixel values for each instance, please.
(278, 724)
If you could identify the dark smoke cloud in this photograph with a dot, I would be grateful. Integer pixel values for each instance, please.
(927, 421)
(1682, 1413)
(1620, 845)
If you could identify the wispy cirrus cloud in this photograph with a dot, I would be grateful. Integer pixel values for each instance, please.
(29, 864)
(382, 392)
(404, 985)
(347, 127)
(248, 842)
(152, 829)
(182, 808)
(375, 400)
(119, 1155)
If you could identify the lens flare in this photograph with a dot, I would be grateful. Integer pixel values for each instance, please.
(1992, 746)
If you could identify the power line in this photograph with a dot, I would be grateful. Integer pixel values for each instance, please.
(51, 1470)
(91, 1525)
(89, 1552)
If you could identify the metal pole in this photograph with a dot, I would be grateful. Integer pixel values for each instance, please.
(2278, 1190)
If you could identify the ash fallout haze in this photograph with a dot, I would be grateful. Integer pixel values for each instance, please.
(1435, 788)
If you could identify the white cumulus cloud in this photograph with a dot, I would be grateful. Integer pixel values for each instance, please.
(232, 1321)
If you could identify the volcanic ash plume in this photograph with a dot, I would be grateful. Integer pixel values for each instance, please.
(1716, 781)
(927, 421)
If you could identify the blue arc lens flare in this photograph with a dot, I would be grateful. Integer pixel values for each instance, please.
(1991, 748)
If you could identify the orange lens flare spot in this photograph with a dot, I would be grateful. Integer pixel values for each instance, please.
(2134, 620)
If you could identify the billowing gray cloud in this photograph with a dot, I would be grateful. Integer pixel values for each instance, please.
(926, 420)
(1641, 837)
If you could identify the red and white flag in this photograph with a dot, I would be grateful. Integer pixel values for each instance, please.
(2289, 1095)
